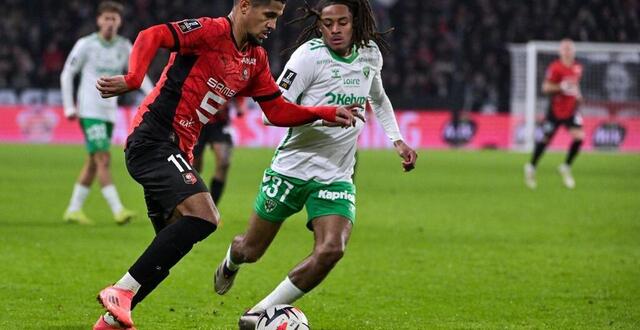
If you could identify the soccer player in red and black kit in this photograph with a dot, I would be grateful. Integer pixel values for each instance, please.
(212, 60)
(562, 83)
(217, 134)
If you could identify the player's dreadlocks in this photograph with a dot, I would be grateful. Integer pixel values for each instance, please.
(364, 23)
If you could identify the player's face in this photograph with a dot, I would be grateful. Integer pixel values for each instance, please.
(261, 20)
(336, 25)
(109, 23)
(567, 51)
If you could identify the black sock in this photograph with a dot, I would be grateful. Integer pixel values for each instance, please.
(168, 247)
(537, 152)
(216, 189)
(573, 151)
(146, 289)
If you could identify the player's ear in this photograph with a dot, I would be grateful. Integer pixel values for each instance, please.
(245, 5)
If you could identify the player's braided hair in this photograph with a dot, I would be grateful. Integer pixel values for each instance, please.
(364, 24)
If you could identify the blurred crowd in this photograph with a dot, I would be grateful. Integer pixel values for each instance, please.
(445, 53)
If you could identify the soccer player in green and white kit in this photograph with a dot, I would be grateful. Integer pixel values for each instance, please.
(98, 54)
(313, 165)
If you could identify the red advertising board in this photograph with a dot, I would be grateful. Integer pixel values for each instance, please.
(421, 129)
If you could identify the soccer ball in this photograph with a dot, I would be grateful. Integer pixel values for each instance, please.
(282, 317)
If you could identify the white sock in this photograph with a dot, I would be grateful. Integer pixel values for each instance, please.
(285, 293)
(78, 197)
(111, 195)
(127, 282)
(230, 264)
(111, 320)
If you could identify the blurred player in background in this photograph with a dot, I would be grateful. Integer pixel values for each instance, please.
(217, 134)
(212, 60)
(337, 61)
(562, 84)
(98, 54)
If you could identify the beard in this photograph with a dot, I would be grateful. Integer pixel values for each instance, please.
(254, 40)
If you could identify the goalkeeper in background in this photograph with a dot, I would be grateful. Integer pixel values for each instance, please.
(562, 84)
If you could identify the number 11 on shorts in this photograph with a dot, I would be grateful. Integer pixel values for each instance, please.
(174, 160)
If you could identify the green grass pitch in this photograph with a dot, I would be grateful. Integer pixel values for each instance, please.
(458, 244)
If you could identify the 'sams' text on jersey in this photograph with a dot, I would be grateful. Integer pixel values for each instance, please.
(287, 79)
(189, 25)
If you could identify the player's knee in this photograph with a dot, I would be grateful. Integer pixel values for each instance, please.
(329, 254)
(102, 160)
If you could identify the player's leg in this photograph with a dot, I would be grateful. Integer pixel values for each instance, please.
(577, 133)
(245, 248)
(176, 187)
(278, 198)
(81, 189)
(222, 151)
(331, 235)
(331, 209)
(549, 128)
(102, 132)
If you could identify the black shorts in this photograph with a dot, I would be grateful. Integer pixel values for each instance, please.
(551, 123)
(213, 133)
(164, 173)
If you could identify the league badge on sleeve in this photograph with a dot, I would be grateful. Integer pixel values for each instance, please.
(287, 79)
(189, 25)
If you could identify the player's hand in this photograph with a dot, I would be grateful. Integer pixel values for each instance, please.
(112, 86)
(346, 115)
(408, 155)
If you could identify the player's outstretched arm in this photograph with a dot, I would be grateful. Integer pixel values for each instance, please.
(280, 112)
(144, 50)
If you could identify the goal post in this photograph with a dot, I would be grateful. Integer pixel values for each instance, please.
(610, 86)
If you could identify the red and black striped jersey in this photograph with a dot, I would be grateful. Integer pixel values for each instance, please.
(204, 71)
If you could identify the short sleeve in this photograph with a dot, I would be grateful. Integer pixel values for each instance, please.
(262, 87)
(297, 75)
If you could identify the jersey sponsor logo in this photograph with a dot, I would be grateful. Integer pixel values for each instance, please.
(189, 25)
(189, 178)
(249, 61)
(186, 123)
(287, 79)
(220, 88)
(333, 195)
(351, 81)
(344, 99)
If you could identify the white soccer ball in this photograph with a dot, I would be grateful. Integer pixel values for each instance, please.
(282, 317)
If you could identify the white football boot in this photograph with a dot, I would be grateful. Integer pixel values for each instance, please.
(567, 178)
(530, 176)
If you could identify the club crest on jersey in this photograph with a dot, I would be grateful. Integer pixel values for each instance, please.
(189, 178)
(189, 25)
(245, 74)
(287, 79)
(270, 205)
(366, 71)
(335, 73)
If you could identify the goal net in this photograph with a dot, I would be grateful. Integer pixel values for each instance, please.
(610, 87)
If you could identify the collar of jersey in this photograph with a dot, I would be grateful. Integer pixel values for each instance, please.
(349, 59)
(105, 42)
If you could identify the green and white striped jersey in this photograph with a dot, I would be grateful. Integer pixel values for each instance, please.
(313, 76)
